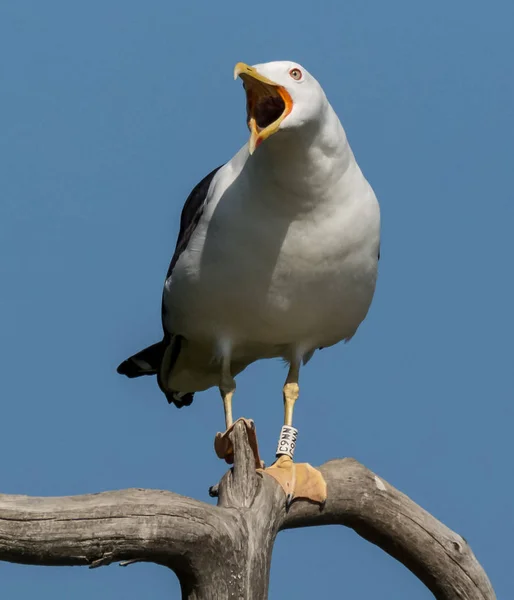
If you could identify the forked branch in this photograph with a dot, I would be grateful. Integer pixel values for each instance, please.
(225, 551)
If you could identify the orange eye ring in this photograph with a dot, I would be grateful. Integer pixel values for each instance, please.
(296, 74)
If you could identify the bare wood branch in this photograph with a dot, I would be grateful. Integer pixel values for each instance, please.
(225, 551)
(99, 529)
(381, 514)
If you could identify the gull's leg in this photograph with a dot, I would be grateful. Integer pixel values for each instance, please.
(222, 444)
(291, 391)
(227, 389)
(297, 480)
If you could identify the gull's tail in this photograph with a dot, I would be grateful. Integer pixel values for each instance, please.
(148, 362)
(145, 362)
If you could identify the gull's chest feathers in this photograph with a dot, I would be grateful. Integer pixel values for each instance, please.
(255, 270)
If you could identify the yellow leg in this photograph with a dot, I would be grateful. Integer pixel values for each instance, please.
(222, 444)
(227, 405)
(297, 480)
(291, 392)
(227, 389)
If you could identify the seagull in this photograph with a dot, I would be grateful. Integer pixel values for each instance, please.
(277, 256)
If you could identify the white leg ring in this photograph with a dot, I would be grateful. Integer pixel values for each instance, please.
(287, 441)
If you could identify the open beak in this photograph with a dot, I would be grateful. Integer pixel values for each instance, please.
(267, 104)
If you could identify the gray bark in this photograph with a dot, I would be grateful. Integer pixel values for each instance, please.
(225, 551)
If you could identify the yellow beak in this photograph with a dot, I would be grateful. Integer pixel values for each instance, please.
(267, 104)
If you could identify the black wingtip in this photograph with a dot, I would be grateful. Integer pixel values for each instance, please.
(148, 361)
(132, 368)
(145, 362)
(128, 369)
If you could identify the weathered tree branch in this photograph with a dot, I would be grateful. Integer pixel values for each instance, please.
(225, 551)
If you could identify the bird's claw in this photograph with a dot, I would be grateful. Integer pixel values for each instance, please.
(299, 481)
(223, 447)
(223, 444)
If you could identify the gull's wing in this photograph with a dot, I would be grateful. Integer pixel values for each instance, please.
(191, 213)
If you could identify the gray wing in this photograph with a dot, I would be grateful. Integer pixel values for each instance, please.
(191, 213)
(149, 360)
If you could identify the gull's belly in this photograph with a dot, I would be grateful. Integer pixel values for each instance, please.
(310, 306)
(275, 292)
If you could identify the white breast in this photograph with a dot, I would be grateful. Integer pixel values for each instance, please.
(263, 273)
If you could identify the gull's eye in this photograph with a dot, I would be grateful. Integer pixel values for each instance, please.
(296, 74)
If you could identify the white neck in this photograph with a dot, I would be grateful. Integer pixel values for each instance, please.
(306, 160)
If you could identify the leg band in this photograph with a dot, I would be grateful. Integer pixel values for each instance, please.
(287, 441)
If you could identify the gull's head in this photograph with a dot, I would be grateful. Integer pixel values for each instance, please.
(279, 95)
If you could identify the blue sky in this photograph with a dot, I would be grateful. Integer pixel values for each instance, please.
(111, 112)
